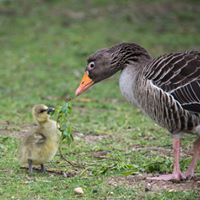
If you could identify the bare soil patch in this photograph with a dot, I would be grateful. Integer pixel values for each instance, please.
(6, 129)
(161, 150)
(100, 154)
(140, 182)
(91, 138)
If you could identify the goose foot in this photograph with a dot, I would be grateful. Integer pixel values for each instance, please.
(176, 175)
(189, 176)
(168, 177)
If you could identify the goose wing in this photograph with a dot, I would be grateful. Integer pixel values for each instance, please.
(178, 74)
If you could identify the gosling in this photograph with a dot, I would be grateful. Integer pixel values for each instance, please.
(42, 144)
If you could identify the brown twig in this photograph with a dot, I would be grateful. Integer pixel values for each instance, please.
(69, 162)
(62, 173)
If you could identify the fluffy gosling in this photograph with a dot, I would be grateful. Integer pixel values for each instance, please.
(42, 144)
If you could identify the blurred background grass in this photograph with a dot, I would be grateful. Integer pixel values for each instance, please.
(45, 43)
(44, 46)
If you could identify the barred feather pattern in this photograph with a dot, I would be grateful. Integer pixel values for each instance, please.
(164, 109)
(168, 90)
(124, 54)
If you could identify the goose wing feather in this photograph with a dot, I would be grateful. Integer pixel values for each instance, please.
(178, 74)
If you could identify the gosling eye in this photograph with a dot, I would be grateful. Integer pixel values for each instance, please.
(43, 110)
(91, 65)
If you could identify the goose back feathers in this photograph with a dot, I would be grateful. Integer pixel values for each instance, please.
(179, 75)
(168, 89)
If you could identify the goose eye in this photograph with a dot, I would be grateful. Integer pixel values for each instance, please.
(91, 65)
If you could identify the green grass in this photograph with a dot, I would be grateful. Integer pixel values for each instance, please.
(44, 46)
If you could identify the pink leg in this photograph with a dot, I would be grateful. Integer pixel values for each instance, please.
(190, 171)
(176, 175)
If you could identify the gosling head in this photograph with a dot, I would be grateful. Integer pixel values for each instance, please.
(41, 112)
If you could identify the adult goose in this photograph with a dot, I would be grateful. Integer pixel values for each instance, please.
(166, 88)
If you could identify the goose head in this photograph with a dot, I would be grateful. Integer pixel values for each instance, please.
(41, 112)
(106, 62)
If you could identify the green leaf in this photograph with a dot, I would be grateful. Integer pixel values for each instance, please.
(62, 113)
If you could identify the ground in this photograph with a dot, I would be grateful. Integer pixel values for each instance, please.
(44, 47)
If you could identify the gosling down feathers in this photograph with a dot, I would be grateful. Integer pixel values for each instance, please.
(42, 144)
(166, 88)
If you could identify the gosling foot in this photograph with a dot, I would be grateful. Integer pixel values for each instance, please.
(30, 167)
(43, 169)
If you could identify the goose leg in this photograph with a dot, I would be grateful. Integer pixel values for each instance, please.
(176, 175)
(190, 171)
(30, 167)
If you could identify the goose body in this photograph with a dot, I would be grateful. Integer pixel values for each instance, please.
(166, 88)
(169, 108)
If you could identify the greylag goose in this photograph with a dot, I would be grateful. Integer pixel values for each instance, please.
(42, 144)
(166, 88)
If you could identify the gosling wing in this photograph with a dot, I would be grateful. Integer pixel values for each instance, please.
(37, 138)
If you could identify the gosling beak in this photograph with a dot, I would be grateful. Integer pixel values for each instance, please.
(86, 82)
(50, 110)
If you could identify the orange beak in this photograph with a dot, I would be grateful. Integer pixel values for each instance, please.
(86, 82)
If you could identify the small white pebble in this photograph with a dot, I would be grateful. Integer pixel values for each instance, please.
(78, 190)
(111, 193)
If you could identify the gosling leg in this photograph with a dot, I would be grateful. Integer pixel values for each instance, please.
(43, 168)
(30, 167)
